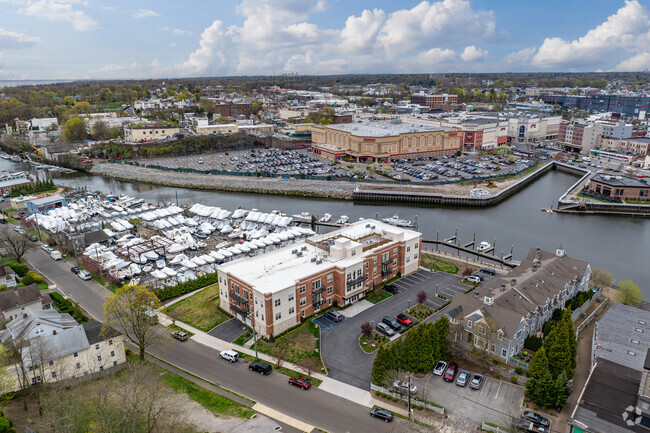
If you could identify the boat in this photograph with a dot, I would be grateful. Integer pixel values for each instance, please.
(303, 215)
(483, 246)
(160, 263)
(325, 218)
(343, 220)
(395, 220)
(147, 267)
(15, 158)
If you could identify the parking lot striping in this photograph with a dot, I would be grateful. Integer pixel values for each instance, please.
(498, 389)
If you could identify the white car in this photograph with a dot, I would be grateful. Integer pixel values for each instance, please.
(84, 275)
(404, 386)
(473, 279)
(46, 248)
(440, 368)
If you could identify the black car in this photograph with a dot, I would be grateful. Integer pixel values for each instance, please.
(260, 367)
(392, 323)
(391, 289)
(488, 270)
(535, 418)
(384, 414)
(75, 270)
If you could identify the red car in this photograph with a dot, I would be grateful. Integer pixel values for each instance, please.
(450, 374)
(404, 319)
(300, 382)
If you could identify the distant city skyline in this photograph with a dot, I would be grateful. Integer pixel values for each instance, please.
(101, 39)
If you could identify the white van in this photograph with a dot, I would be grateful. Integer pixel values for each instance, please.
(56, 255)
(229, 355)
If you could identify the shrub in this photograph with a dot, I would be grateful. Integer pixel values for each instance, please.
(513, 379)
(190, 286)
(376, 392)
(394, 398)
(420, 407)
(533, 343)
(27, 280)
(38, 279)
(19, 268)
(519, 370)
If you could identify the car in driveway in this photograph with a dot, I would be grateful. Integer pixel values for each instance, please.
(377, 412)
(403, 386)
(535, 418)
(260, 367)
(300, 382)
(382, 328)
(391, 289)
(476, 381)
(394, 324)
(440, 368)
(473, 279)
(463, 378)
(450, 373)
(334, 316)
(404, 319)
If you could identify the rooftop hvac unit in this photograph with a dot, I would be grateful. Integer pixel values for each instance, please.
(318, 262)
(299, 254)
(304, 248)
(313, 259)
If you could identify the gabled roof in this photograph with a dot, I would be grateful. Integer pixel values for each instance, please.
(471, 307)
(18, 297)
(20, 326)
(94, 332)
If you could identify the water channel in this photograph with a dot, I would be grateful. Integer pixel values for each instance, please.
(615, 243)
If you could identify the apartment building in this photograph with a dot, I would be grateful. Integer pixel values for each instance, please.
(274, 291)
(233, 109)
(436, 102)
(148, 133)
(13, 302)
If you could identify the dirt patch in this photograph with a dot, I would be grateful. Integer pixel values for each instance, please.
(305, 341)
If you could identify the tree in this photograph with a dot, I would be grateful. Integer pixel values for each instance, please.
(129, 311)
(601, 278)
(562, 390)
(101, 131)
(280, 354)
(538, 365)
(544, 393)
(421, 297)
(387, 170)
(309, 366)
(174, 315)
(17, 244)
(366, 328)
(74, 130)
(629, 293)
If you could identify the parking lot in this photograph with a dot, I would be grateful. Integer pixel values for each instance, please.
(343, 357)
(494, 402)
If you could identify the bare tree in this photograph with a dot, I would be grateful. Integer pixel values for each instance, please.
(280, 354)
(163, 198)
(309, 366)
(421, 297)
(174, 315)
(17, 244)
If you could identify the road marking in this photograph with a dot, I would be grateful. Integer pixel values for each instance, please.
(272, 413)
(498, 389)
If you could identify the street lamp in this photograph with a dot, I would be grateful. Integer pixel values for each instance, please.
(252, 318)
(436, 290)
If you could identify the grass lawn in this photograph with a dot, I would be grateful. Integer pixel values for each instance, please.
(42, 286)
(438, 265)
(375, 300)
(283, 370)
(200, 310)
(11, 220)
(6, 260)
(372, 342)
(637, 201)
(242, 338)
(10, 210)
(602, 201)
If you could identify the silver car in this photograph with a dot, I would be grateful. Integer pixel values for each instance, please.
(462, 378)
(403, 386)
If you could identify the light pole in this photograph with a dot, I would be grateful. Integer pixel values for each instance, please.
(436, 290)
(252, 317)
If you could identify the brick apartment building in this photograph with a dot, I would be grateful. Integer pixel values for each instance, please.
(619, 187)
(233, 109)
(436, 102)
(281, 287)
(342, 118)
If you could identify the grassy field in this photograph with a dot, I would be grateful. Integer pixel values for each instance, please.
(438, 265)
(199, 310)
(242, 338)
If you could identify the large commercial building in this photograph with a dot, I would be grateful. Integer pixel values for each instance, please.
(582, 136)
(383, 141)
(479, 132)
(528, 128)
(619, 187)
(233, 109)
(279, 288)
(148, 133)
(632, 106)
(637, 145)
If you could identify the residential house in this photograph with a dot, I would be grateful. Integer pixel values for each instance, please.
(13, 302)
(499, 317)
(7, 277)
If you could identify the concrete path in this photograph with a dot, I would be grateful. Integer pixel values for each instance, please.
(357, 307)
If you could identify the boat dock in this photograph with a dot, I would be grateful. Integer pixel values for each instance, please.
(468, 248)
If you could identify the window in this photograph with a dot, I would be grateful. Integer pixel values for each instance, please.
(374, 259)
(408, 259)
(374, 270)
(75, 354)
(110, 342)
(329, 301)
(54, 375)
(408, 249)
(469, 324)
(278, 316)
(78, 366)
(101, 368)
(291, 295)
(330, 277)
(303, 301)
(99, 358)
(302, 289)
(394, 251)
(292, 310)
(367, 264)
(302, 313)
(277, 302)
(96, 346)
(330, 290)
(315, 285)
(114, 363)
(415, 247)
(112, 353)
(51, 363)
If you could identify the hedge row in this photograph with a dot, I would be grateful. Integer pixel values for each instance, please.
(190, 286)
(63, 305)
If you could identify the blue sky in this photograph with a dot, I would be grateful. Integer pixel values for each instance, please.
(52, 39)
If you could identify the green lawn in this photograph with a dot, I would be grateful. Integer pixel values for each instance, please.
(366, 342)
(11, 220)
(243, 338)
(637, 201)
(420, 312)
(438, 265)
(199, 310)
(382, 295)
(597, 199)
(283, 370)
(215, 403)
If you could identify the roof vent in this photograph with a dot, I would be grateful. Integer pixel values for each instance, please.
(513, 281)
(313, 259)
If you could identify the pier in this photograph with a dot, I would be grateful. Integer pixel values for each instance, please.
(468, 248)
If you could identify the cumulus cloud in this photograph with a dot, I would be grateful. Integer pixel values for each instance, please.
(210, 51)
(13, 39)
(628, 29)
(145, 13)
(360, 33)
(473, 53)
(520, 56)
(640, 62)
(59, 10)
(181, 32)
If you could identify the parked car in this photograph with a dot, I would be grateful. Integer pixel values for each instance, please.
(334, 316)
(403, 386)
(229, 355)
(392, 323)
(300, 382)
(46, 248)
(382, 328)
(535, 418)
(476, 382)
(463, 378)
(477, 275)
(391, 289)
(380, 413)
(179, 335)
(473, 279)
(488, 270)
(260, 367)
(84, 275)
(75, 270)
(440, 368)
(32, 238)
(450, 374)
(56, 255)
(404, 319)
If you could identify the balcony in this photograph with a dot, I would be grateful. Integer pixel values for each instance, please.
(238, 298)
(238, 311)
(357, 280)
(386, 272)
(318, 303)
(321, 289)
(387, 262)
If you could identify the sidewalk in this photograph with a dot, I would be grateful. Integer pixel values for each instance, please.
(332, 386)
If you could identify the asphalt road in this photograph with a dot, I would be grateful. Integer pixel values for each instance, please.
(315, 407)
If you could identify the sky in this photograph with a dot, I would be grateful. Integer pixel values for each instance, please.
(101, 39)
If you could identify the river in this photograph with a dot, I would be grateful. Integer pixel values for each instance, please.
(615, 243)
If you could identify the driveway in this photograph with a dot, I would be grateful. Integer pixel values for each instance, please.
(228, 330)
(344, 359)
(495, 402)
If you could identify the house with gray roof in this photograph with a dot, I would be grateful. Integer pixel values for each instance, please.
(14, 301)
(501, 315)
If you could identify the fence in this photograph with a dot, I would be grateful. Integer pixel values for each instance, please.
(584, 307)
(414, 400)
(591, 317)
(494, 428)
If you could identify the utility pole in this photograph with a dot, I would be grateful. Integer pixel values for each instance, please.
(254, 333)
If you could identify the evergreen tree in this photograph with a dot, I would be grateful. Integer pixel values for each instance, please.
(538, 365)
(562, 390)
(440, 332)
(571, 335)
(380, 365)
(544, 393)
(558, 351)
